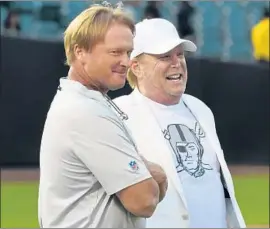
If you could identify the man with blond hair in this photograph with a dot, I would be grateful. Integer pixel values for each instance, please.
(178, 132)
(91, 174)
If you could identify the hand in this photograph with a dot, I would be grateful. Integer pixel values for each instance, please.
(155, 170)
(159, 176)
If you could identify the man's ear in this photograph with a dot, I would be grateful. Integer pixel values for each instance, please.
(135, 67)
(79, 53)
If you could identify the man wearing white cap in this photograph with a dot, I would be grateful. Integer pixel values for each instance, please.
(177, 131)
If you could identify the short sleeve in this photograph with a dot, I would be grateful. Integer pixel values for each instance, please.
(104, 145)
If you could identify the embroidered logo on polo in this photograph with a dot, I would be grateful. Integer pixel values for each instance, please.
(134, 166)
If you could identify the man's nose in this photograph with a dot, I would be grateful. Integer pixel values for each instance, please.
(175, 61)
(125, 60)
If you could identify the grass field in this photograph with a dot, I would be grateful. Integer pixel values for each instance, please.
(19, 202)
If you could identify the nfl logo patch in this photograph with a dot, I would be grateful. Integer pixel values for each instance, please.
(133, 165)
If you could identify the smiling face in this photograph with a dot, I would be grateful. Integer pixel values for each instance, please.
(162, 78)
(107, 62)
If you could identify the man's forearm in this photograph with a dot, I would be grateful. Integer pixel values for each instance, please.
(163, 186)
(159, 176)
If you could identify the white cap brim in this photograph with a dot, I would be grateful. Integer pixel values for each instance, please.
(188, 46)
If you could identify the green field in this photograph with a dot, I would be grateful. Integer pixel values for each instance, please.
(19, 202)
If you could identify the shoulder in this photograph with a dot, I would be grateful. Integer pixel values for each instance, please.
(197, 103)
(124, 101)
(74, 109)
(195, 100)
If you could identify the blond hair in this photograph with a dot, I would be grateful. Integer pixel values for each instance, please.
(131, 78)
(90, 27)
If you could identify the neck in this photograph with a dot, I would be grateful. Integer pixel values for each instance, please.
(167, 100)
(82, 77)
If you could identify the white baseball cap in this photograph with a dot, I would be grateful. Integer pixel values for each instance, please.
(158, 36)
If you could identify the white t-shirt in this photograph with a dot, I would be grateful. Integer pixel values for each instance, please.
(87, 155)
(196, 164)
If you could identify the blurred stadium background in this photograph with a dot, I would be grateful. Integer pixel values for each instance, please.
(223, 73)
(222, 28)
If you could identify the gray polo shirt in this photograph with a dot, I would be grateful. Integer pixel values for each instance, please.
(87, 155)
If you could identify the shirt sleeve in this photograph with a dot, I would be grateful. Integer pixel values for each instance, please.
(104, 145)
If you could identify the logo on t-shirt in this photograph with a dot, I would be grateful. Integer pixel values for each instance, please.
(187, 148)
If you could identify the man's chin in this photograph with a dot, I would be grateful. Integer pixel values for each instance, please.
(178, 92)
(116, 87)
